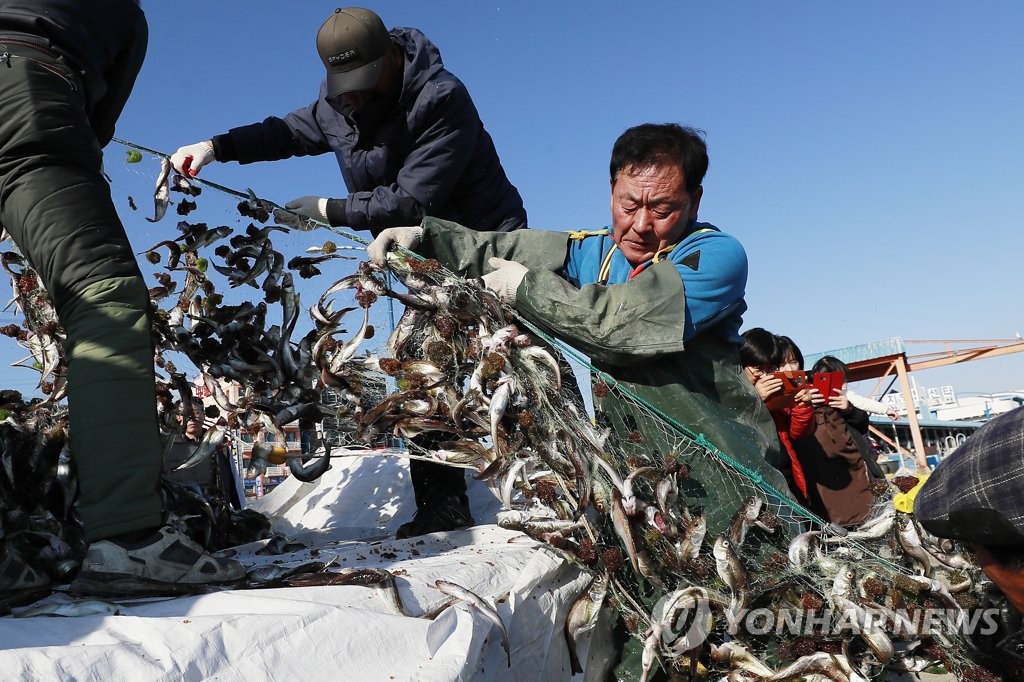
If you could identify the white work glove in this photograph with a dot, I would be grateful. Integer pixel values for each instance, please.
(505, 279)
(405, 237)
(301, 210)
(190, 158)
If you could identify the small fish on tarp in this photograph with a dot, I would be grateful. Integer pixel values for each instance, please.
(475, 601)
(279, 544)
(11, 600)
(71, 609)
(314, 579)
(378, 578)
(277, 574)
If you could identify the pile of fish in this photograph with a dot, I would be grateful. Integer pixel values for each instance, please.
(496, 399)
(475, 389)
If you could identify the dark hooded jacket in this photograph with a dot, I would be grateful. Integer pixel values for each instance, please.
(103, 40)
(427, 155)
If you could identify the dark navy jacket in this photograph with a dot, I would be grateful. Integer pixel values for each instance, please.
(105, 40)
(429, 155)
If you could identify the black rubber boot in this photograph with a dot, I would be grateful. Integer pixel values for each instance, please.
(441, 501)
(438, 514)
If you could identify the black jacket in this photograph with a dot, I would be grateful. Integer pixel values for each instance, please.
(428, 155)
(105, 40)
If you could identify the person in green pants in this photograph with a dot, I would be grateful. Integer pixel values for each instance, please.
(66, 71)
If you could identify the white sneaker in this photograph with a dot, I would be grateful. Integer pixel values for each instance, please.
(166, 562)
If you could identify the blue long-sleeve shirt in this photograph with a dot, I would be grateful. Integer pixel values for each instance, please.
(712, 265)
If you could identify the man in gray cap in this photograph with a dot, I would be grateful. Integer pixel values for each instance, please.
(407, 135)
(410, 144)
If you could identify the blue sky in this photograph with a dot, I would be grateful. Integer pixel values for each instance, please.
(868, 155)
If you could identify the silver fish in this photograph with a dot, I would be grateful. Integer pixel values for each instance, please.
(461, 411)
(207, 445)
(938, 588)
(820, 662)
(583, 615)
(801, 547)
(689, 548)
(623, 528)
(629, 499)
(650, 651)
(464, 595)
(546, 359)
(272, 574)
(872, 529)
(732, 573)
(499, 403)
(533, 524)
(735, 655)
(841, 596)
(912, 663)
(345, 353)
(683, 601)
(218, 394)
(953, 560)
(505, 493)
(666, 491)
(910, 540)
(468, 454)
(162, 193)
(45, 352)
(379, 578)
(744, 519)
(404, 331)
(71, 609)
(173, 252)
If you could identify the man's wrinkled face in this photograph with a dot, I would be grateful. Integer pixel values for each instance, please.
(1009, 580)
(651, 209)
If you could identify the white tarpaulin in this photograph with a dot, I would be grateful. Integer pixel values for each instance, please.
(335, 633)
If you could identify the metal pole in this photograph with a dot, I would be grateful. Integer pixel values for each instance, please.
(915, 427)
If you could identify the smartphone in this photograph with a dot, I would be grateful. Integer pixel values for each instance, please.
(827, 382)
(792, 382)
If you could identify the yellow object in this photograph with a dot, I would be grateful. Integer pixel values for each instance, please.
(904, 502)
(278, 456)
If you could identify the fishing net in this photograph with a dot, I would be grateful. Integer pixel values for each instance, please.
(713, 570)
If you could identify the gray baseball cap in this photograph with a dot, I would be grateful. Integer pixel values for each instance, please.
(352, 44)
